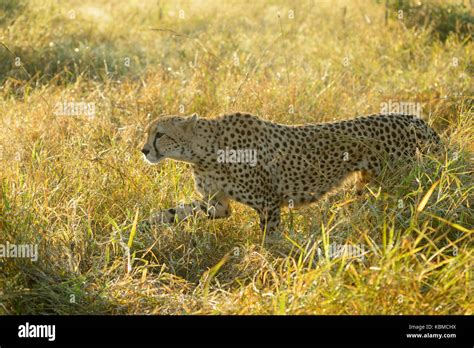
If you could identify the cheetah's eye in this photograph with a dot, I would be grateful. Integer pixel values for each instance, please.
(158, 135)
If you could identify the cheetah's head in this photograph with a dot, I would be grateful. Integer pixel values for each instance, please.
(170, 137)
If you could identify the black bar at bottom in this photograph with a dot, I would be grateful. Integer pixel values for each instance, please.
(448, 331)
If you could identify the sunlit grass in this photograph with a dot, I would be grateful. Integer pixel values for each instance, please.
(77, 186)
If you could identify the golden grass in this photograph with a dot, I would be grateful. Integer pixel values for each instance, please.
(76, 186)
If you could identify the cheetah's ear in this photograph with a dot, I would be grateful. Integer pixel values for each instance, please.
(189, 122)
(194, 117)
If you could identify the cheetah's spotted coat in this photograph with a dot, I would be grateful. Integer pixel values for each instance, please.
(297, 164)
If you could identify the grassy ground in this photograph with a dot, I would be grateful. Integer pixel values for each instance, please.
(77, 185)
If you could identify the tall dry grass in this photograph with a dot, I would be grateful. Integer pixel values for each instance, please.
(76, 186)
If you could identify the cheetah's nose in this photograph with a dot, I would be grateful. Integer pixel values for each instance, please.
(145, 151)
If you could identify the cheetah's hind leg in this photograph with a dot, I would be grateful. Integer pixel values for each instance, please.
(363, 178)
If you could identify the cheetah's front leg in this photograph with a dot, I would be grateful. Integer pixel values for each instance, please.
(270, 219)
(214, 209)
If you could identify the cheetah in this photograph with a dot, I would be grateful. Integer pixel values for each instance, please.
(267, 165)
